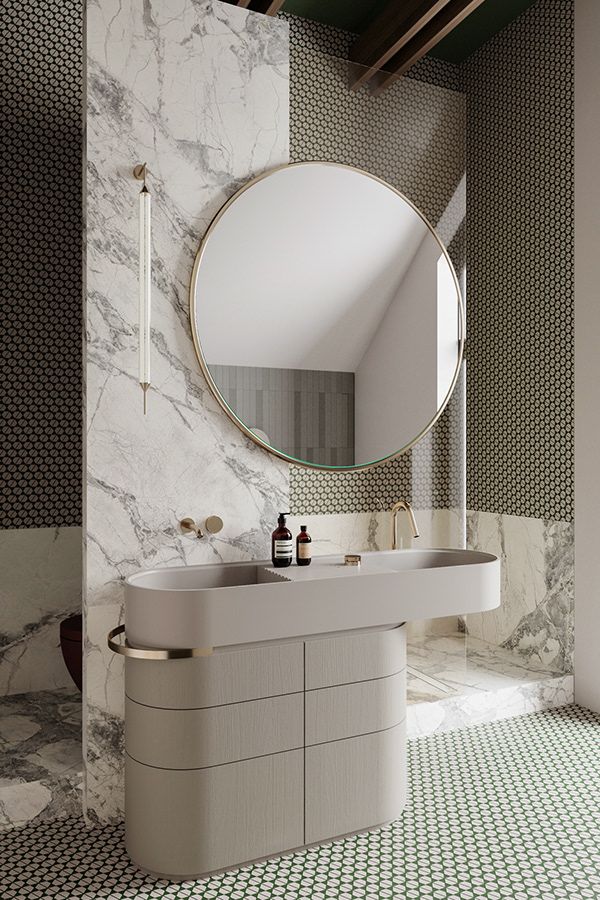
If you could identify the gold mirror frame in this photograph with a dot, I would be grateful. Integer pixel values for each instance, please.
(204, 365)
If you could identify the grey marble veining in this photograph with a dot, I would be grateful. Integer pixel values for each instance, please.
(463, 710)
(40, 586)
(198, 89)
(548, 631)
(41, 765)
(456, 680)
(535, 618)
(459, 663)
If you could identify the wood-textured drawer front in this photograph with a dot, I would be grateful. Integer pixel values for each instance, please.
(198, 738)
(228, 676)
(188, 823)
(355, 784)
(347, 710)
(354, 657)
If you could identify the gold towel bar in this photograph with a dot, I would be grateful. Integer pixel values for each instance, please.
(126, 649)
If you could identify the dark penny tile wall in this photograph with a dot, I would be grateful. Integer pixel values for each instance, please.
(520, 246)
(40, 357)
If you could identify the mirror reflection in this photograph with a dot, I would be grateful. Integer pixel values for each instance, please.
(327, 315)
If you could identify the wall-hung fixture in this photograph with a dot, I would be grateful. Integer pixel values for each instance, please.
(339, 330)
(212, 525)
(145, 279)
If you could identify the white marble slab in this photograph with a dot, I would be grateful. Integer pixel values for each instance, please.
(464, 710)
(356, 532)
(455, 681)
(198, 89)
(40, 586)
(535, 617)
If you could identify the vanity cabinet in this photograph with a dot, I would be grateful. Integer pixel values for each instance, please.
(354, 784)
(348, 710)
(185, 823)
(257, 750)
(198, 738)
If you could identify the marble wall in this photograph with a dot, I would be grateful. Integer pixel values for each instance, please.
(360, 532)
(40, 586)
(199, 90)
(535, 618)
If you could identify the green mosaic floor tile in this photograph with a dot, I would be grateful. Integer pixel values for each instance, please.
(505, 810)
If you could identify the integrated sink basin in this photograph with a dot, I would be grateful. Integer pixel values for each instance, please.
(240, 603)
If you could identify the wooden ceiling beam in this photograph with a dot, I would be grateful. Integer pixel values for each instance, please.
(424, 41)
(268, 7)
(388, 33)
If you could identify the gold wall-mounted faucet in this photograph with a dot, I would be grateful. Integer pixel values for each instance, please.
(404, 505)
(212, 525)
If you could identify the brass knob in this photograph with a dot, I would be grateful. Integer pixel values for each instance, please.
(213, 524)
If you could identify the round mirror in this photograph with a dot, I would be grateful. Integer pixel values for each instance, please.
(326, 316)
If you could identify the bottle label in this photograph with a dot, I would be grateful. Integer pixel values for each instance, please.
(283, 549)
(304, 550)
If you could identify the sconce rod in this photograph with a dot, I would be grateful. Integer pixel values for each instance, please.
(145, 279)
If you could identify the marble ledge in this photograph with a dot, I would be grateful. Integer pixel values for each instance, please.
(465, 710)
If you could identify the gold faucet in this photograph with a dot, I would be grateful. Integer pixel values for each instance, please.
(402, 504)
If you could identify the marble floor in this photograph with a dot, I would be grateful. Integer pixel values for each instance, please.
(41, 768)
(454, 680)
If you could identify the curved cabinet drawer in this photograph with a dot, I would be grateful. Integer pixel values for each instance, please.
(228, 676)
(354, 657)
(348, 710)
(184, 824)
(355, 784)
(198, 738)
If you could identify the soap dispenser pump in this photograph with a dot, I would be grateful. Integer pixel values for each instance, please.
(281, 543)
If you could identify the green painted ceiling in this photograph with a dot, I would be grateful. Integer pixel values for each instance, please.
(354, 15)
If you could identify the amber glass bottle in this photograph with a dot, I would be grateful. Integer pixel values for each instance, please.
(281, 543)
(303, 548)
